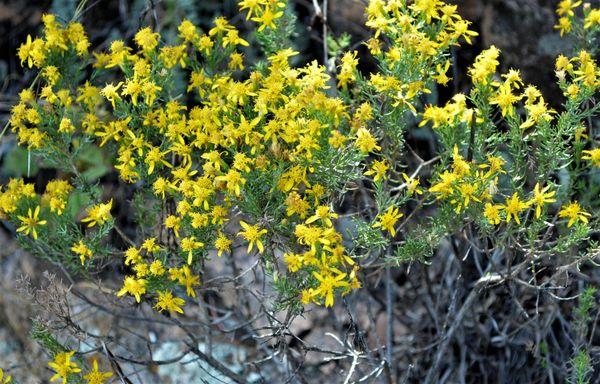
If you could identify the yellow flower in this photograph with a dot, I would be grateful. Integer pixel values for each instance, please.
(51, 74)
(574, 213)
(505, 99)
(78, 38)
(5, 379)
(30, 222)
(337, 139)
(374, 46)
(379, 169)
(161, 186)
(167, 302)
(56, 195)
(232, 38)
(492, 213)
(110, 92)
(388, 220)
(296, 205)
(157, 268)
(563, 63)
(308, 295)
(134, 287)
(252, 233)
(592, 155)
(221, 25)
(459, 165)
(222, 244)
(461, 28)
(536, 112)
(324, 214)
(446, 184)
(441, 77)
(293, 261)
(189, 244)
(327, 283)
(564, 25)
(347, 69)
(429, 8)
(437, 115)
(33, 52)
(146, 39)
(572, 91)
(592, 19)
(412, 185)
(485, 65)
(98, 214)
(63, 366)
(66, 126)
(267, 19)
(233, 181)
(132, 255)
(189, 280)
(281, 58)
(292, 178)
(154, 157)
(173, 222)
(150, 245)
(587, 69)
(219, 214)
(236, 61)
(141, 270)
(150, 90)
(513, 207)
(187, 31)
(253, 6)
(132, 88)
(541, 197)
(365, 141)
(82, 251)
(467, 191)
(96, 377)
(205, 44)
(312, 235)
(26, 96)
(566, 7)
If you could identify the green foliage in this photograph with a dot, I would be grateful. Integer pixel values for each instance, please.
(581, 368)
(367, 239)
(337, 45)
(46, 339)
(220, 147)
(587, 302)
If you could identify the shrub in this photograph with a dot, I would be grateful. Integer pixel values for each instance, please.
(222, 158)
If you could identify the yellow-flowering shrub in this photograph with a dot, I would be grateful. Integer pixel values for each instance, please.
(219, 154)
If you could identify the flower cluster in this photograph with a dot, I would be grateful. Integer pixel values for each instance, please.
(58, 50)
(198, 162)
(579, 76)
(222, 153)
(473, 185)
(568, 22)
(65, 369)
(509, 95)
(20, 202)
(420, 35)
(263, 12)
(324, 260)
